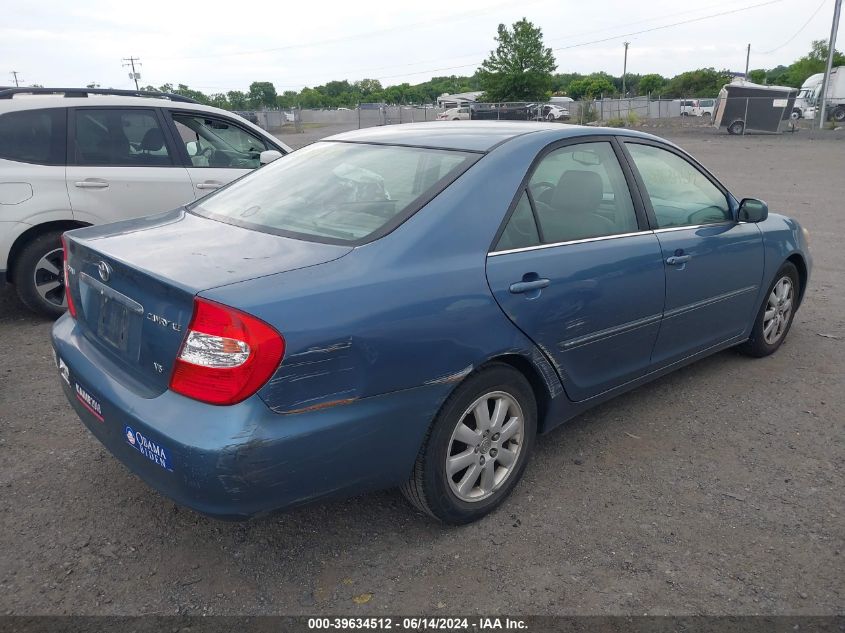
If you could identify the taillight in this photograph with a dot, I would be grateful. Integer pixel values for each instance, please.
(70, 306)
(227, 355)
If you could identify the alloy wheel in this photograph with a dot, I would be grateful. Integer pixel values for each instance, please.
(485, 446)
(49, 280)
(778, 310)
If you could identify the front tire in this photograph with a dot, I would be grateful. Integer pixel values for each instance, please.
(38, 275)
(477, 448)
(775, 315)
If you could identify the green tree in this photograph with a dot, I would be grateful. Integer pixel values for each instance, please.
(813, 62)
(520, 69)
(237, 100)
(651, 84)
(367, 87)
(591, 88)
(262, 93)
(704, 82)
(758, 76)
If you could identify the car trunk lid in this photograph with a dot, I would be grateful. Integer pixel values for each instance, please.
(133, 283)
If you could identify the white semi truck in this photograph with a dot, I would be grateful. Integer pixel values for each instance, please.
(808, 97)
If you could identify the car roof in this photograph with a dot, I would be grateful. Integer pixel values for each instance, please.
(472, 136)
(37, 101)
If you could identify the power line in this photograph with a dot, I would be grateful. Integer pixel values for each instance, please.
(15, 73)
(613, 37)
(356, 36)
(560, 48)
(798, 32)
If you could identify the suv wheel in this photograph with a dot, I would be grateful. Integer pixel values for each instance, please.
(477, 447)
(38, 276)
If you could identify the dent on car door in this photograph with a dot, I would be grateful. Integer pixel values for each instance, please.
(577, 270)
(216, 150)
(713, 264)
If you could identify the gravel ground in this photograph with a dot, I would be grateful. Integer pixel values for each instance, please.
(715, 490)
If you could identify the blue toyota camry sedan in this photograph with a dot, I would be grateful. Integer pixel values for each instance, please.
(410, 306)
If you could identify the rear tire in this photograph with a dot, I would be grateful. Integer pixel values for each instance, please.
(483, 470)
(775, 316)
(839, 114)
(38, 275)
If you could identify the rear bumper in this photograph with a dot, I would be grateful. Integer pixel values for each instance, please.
(239, 461)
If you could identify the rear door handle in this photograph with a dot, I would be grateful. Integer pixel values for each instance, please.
(527, 286)
(209, 184)
(677, 260)
(92, 183)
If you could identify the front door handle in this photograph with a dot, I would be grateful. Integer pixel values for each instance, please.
(677, 260)
(209, 184)
(527, 286)
(92, 183)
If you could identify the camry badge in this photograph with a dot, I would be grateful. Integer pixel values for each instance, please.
(105, 271)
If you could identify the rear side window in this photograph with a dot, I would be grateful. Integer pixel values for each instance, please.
(337, 192)
(119, 138)
(34, 136)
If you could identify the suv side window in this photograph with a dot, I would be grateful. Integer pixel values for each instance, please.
(119, 138)
(34, 136)
(215, 142)
(680, 194)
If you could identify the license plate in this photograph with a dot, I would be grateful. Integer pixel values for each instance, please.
(113, 324)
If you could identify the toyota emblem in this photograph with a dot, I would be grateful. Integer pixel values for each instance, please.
(105, 271)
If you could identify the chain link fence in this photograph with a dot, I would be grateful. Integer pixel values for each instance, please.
(739, 115)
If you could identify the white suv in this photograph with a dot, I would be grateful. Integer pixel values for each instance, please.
(75, 157)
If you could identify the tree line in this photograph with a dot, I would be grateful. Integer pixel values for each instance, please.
(520, 68)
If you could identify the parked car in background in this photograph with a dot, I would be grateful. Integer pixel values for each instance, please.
(553, 112)
(454, 114)
(249, 115)
(76, 157)
(688, 107)
(704, 107)
(503, 111)
(410, 305)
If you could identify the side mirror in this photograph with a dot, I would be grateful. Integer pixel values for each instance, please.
(192, 148)
(753, 210)
(268, 156)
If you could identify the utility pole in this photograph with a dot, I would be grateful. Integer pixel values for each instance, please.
(747, 60)
(131, 62)
(15, 75)
(837, 9)
(625, 67)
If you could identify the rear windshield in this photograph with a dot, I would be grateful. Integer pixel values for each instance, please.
(337, 192)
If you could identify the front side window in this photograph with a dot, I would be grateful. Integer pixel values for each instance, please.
(342, 192)
(34, 136)
(119, 137)
(213, 142)
(680, 194)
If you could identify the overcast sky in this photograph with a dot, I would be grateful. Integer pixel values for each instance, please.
(220, 46)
